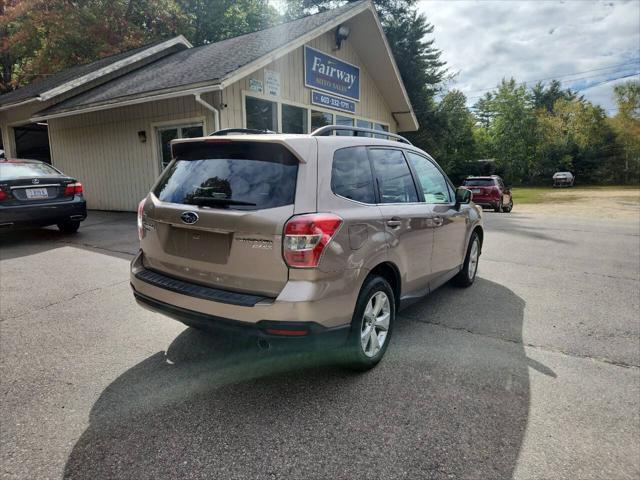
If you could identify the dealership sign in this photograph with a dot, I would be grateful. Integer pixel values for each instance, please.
(330, 74)
(329, 101)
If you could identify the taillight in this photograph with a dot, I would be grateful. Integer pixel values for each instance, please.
(140, 214)
(306, 236)
(73, 189)
(3, 195)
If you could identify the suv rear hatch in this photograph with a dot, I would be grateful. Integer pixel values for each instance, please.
(216, 215)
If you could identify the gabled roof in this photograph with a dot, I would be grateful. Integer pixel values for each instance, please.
(74, 77)
(214, 66)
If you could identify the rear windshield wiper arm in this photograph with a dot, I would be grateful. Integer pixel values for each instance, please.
(212, 201)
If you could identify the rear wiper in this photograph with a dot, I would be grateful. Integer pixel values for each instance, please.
(216, 202)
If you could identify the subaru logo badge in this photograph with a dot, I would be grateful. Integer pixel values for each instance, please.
(35, 181)
(189, 217)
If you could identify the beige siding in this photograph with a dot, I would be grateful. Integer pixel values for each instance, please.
(371, 106)
(103, 151)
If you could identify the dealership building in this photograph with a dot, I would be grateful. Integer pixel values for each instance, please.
(109, 123)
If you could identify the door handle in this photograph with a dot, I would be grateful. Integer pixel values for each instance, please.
(394, 222)
(438, 221)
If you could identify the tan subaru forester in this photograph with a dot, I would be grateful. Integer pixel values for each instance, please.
(315, 239)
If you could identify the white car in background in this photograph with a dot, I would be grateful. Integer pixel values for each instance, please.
(563, 179)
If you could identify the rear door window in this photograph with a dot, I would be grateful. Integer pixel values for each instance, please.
(395, 182)
(236, 175)
(351, 175)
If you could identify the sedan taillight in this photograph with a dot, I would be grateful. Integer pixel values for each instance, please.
(73, 189)
(3, 195)
(306, 236)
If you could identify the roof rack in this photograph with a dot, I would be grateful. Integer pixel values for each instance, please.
(247, 131)
(334, 128)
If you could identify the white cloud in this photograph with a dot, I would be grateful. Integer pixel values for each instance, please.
(487, 40)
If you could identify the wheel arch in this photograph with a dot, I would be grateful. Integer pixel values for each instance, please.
(389, 271)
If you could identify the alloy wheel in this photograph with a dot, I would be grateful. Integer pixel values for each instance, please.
(375, 324)
(473, 259)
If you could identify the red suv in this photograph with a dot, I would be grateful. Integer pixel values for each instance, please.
(490, 192)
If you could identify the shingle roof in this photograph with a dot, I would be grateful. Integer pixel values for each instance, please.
(52, 81)
(207, 64)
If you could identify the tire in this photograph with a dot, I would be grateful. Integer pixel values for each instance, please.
(498, 207)
(467, 275)
(70, 226)
(362, 353)
(509, 207)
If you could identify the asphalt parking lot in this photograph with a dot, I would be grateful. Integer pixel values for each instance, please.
(533, 373)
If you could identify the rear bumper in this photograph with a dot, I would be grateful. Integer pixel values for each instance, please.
(322, 309)
(486, 202)
(317, 336)
(43, 214)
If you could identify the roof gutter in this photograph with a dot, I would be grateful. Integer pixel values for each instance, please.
(135, 101)
(18, 104)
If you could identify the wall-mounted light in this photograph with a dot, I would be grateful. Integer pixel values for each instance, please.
(142, 136)
(342, 33)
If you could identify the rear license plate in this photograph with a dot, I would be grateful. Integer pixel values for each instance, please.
(476, 190)
(34, 193)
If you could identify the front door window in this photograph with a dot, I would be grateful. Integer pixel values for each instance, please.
(166, 134)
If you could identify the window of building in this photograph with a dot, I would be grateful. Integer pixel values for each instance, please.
(394, 178)
(294, 119)
(320, 119)
(351, 175)
(261, 114)
(364, 124)
(166, 134)
(432, 181)
(347, 122)
(382, 128)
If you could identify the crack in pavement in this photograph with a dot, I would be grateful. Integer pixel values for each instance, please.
(546, 267)
(64, 300)
(530, 345)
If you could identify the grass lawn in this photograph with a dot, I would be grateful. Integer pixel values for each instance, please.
(567, 194)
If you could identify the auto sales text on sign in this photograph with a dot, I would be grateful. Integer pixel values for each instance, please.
(330, 74)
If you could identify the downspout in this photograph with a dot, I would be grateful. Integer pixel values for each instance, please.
(208, 106)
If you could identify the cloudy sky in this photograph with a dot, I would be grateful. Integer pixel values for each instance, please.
(584, 43)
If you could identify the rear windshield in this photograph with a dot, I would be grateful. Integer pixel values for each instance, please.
(9, 170)
(237, 175)
(479, 182)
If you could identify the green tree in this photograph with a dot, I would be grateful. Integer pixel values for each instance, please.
(215, 20)
(545, 96)
(456, 148)
(574, 136)
(626, 125)
(510, 135)
(41, 37)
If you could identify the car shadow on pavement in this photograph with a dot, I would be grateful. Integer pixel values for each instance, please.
(450, 400)
(110, 233)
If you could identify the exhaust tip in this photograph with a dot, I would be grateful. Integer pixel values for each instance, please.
(263, 344)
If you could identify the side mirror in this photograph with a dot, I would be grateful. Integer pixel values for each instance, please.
(463, 196)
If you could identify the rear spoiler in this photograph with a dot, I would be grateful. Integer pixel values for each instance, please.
(300, 147)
